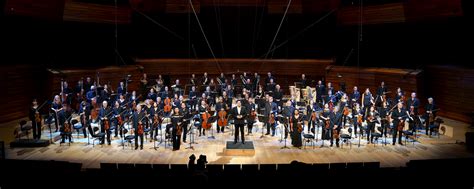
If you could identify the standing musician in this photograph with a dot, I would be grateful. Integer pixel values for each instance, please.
(220, 106)
(355, 97)
(193, 97)
(270, 115)
(412, 105)
(367, 100)
(325, 116)
(270, 86)
(56, 107)
(105, 115)
(35, 118)
(202, 109)
(430, 115)
(117, 112)
(384, 113)
(296, 128)
(105, 94)
(398, 116)
(138, 117)
(278, 95)
(186, 113)
(371, 119)
(84, 114)
(320, 90)
(287, 112)
(65, 120)
(335, 125)
(155, 112)
(381, 91)
(303, 81)
(252, 107)
(193, 80)
(205, 80)
(143, 84)
(67, 92)
(177, 124)
(255, 82)
(357, 116)
(239, 114)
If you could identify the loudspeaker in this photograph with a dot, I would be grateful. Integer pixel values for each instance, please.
(470, 141)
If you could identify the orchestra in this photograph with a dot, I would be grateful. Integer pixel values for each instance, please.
(310, 106)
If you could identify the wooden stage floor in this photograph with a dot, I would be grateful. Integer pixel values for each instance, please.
(267, 151)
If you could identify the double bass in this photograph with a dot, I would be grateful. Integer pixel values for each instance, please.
(222, 118)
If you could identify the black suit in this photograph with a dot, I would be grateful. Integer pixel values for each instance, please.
(395, 115)
(239, 122)
(137, 116)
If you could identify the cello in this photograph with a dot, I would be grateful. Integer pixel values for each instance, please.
(205, 119)
(222, 118)
(167, 107)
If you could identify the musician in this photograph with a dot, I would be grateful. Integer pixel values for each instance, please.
(398, 116)
(143, 84)
(239, 114)
(56, 107)
(233, 81)
(229, 91)
(269, 77)
(117, 112)
(384, 113)
(122, 101)
(270, 108)
(155, 113)
(222, 80)
(355, 97)
(138, 117)
(90, 94)
(65, 120)
(205, 79)
(325, 116)
(252, 107)
(203, 108)
(255, 82)
(371, 120)
(303, 81)
(84, 113)
(79, 89)
(193, 80)
(177, 88)
(320, 90)
(412, 105)
(176, 101)
(186, 114)
(382, 89)
(193, 97)
(133, 97)
(67, 92)
(367, 100)
(152, 94)
(330, 88)
(159, 84)
(227, 101)
(220, 105)
(335, 125)
(105, 94)
(287, 112)
(296, 128)
(177, 124)
(357, 114)
(430, 115)
(270, 86)
(105, 115)
(165, 93)
(121, 89)
(35, 123)
(248, 85)
(260, 92)
(399, 97)
(278, 95)
(88, 84)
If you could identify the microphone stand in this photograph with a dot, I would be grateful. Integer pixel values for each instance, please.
(285, 147)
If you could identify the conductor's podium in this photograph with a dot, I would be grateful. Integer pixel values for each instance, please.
(239, 149)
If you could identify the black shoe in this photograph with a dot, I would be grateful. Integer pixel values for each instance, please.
(235, 142)
(337, 145)
(330, 145)
(400, 143)
(393, 144)
(136, 147)
(141, 147)
(267, 134)
(243, 142)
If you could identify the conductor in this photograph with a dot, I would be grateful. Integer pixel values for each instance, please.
(239, 114)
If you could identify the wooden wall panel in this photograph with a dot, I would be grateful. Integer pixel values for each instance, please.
(419, 10)
(375, 14)
(286, 71)
(408, 80)
(40, 9)
(452, 89)
(95, 13)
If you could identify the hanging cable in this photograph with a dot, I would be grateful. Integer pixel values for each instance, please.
(157, 23)
(205, 37)
(217, 13)
(279, 27)
(297, 34)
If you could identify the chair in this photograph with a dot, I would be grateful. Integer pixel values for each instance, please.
(436, 126)
(308, 138)
(24, 128)
(63, 133)
(95, 137)
(346, 138)
(77, 126)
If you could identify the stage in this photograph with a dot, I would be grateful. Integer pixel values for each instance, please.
(268, 150)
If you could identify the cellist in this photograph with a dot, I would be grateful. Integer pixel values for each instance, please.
(221, 109)
(202, 110)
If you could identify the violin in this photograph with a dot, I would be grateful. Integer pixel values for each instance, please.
(253, 114)
(222, 118)
(313, 116)
(346, 111)
(335, 133)
(272, 118)
(327, 124)
(401, 125)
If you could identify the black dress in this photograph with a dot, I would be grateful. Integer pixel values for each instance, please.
(296, 140)
(176, 135)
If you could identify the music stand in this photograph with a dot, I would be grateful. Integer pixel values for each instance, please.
(285, 147)
(211, 120)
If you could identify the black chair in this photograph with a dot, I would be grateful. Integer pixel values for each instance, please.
(67, 134)
(377, 135)
(24, 128)
(77, 126)
(346, 138)
(308, 138)
(128, 138)
(99, 136)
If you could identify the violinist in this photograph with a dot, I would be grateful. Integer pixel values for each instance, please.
(117, 111)
(270, 111)
(355, 97)
(185, 111)
(133, 97)
(399, 97)
(320, 89)
(367, 100)
(85, 112)
(287, 113)
(398, 116)
(412, 106)
(357, 114)
(221, 106)
(35, 118)
(104, 116)
(239, 114)
(177, 124)
(296, 128)
(67, 92)
(371, 119)
(65, 120)
(325, 116)
(205, 80)
(430, 115)
(335, 125)
(105, 94)
(252, 107)
(384, 112)
(138, 117)
(382, 90)
(56, 107)
(155, 112)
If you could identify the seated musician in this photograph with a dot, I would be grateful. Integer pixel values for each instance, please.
(193, 80)
(233, 81)
(88, 84)
(177, 88)
(121, 89)
(229, 91)
(152, 94)
(270, 86)
(205, 80)
(166, 93)
(269, 77)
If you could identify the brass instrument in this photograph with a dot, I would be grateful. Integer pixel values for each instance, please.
(243, 80)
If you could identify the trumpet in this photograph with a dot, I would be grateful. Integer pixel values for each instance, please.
(243, 80)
